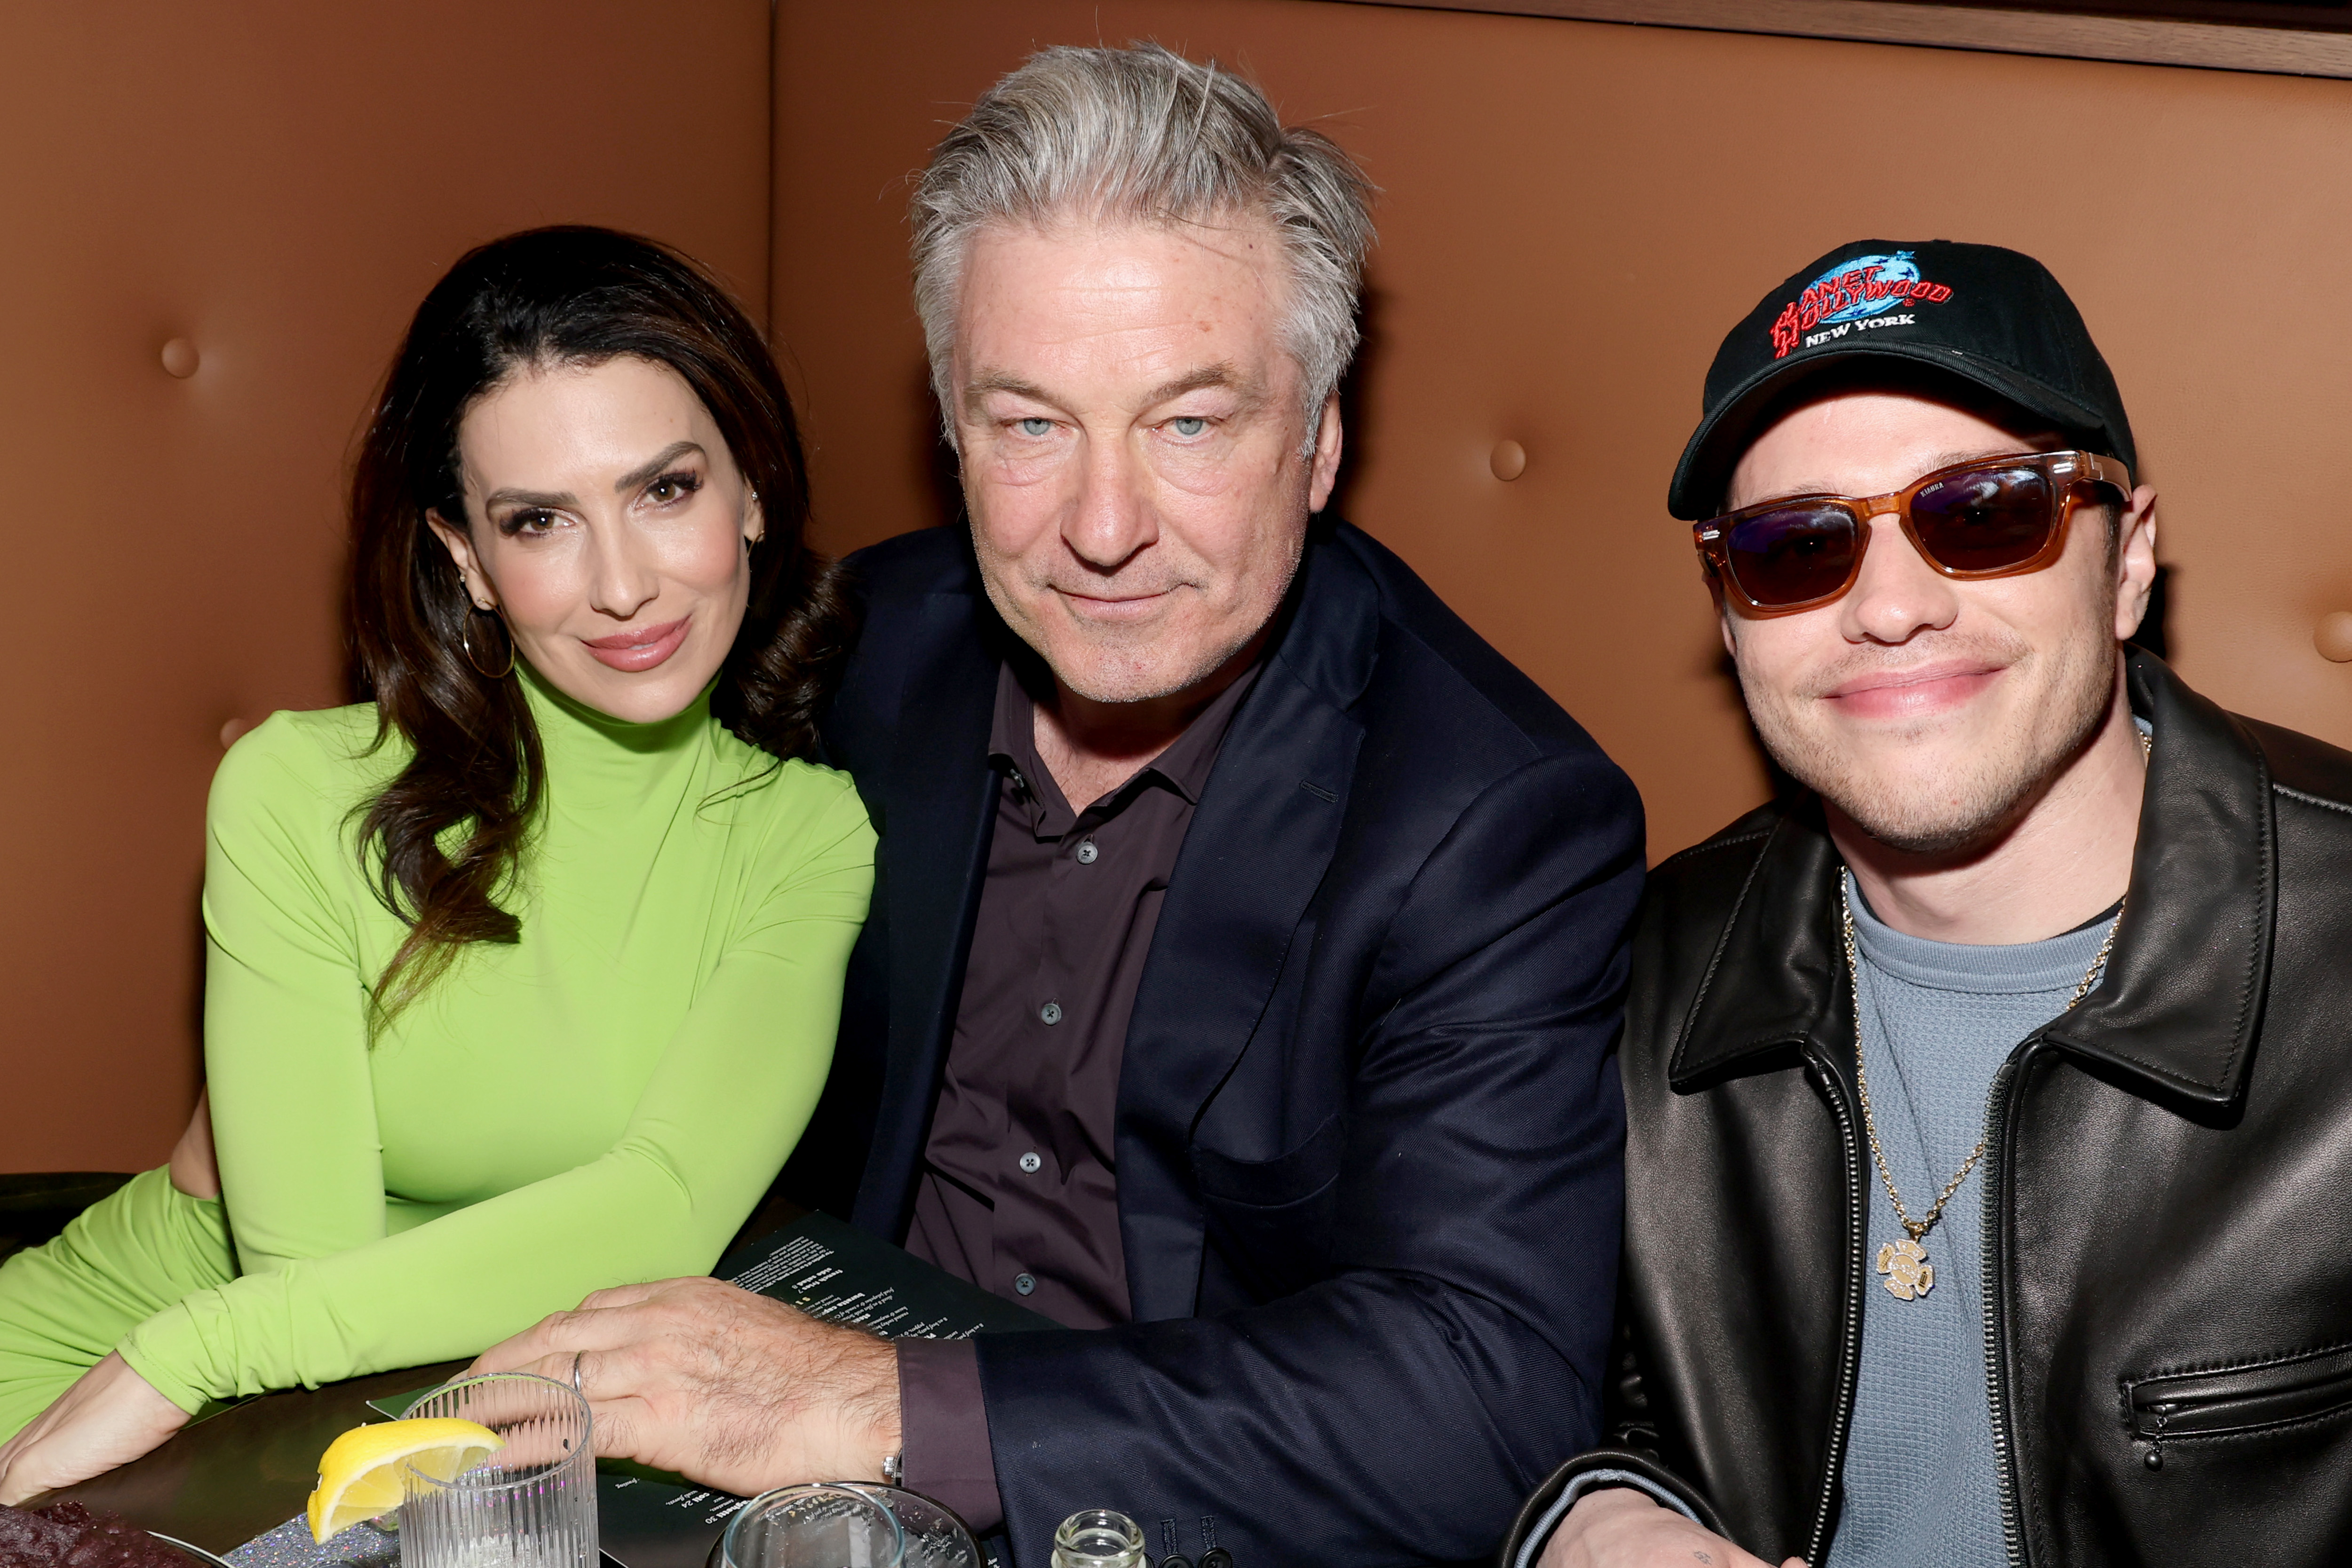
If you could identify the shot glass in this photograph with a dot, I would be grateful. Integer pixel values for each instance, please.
(532, 1504)
(815, 1526)
(1098, 1538)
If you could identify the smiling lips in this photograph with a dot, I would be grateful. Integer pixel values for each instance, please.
(1109, 607)
(641, 648)
(1913, 693)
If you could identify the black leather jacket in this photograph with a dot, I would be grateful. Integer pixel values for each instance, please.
(2166, 1189)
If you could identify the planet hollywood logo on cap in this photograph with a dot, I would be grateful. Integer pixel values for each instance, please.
(1854, 295)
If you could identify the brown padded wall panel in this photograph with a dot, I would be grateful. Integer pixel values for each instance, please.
(1573, 214)
(278, 184)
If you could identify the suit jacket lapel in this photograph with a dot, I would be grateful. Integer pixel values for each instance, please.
(935, 854)
(1259, 844)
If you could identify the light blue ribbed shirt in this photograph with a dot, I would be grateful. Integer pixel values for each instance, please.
(1938, 1021)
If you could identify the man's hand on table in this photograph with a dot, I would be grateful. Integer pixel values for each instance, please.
(1618, 1527)
(109, 1417)
(723, 1386)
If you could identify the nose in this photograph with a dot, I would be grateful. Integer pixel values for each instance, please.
(620, 576)
(1898, 594)
(1111, 519)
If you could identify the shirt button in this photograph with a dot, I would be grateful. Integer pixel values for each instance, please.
(1087, 853)
(1051, 1013)
(1031, 1163)
(1023, 1283)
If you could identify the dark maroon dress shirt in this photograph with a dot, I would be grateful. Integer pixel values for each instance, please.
(1019, 1187)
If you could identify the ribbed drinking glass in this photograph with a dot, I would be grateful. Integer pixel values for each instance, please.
(532, 1504)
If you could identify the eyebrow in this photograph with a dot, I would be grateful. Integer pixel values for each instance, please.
(1216, 375)
(1941, 460)
(652, 466)
(1981, 455)
(635, 477)
(980, 386)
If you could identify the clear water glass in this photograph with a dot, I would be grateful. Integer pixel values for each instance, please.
(1098, 1538)
(532, 1504)
(935, 1537)
(816, 1526)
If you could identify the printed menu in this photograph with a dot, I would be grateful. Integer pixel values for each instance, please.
(828, 1270)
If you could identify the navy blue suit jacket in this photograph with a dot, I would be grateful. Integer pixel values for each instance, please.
(1368, 1121)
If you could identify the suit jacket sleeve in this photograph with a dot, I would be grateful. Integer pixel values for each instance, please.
(1630, 1459)
(1397, 1409)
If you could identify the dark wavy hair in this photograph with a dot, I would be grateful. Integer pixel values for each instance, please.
(565, 295)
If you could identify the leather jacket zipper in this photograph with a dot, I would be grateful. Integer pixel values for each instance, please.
(1849, 1340)
(1996, 1266)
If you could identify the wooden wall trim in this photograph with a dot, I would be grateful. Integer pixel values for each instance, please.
(2208, 44)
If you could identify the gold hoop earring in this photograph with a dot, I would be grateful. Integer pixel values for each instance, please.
(466, 642)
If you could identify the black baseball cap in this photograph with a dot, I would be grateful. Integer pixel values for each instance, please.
(1989, 317)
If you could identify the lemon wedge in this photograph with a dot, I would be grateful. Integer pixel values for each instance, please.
(358, 1475)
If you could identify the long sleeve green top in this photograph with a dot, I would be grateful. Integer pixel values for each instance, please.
(601, 1103)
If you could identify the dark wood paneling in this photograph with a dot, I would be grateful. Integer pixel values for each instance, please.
(2077, 35)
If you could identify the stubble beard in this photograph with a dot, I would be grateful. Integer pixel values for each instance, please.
(1108, 663)
(1998, 782)
(1124, 669)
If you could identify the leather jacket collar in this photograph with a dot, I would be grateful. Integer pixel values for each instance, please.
(2176, 1014)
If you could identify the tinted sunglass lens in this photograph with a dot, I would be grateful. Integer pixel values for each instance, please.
(1987, 518)
(1792, 554)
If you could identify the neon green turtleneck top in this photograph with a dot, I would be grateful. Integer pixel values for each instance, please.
(604, 1102)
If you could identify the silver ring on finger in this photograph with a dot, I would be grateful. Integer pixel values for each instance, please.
(575, 1374)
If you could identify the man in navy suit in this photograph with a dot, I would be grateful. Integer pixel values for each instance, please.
(1247, 944)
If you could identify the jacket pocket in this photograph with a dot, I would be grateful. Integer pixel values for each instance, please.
(2184, 1405)
(1269, 1221)
(1276, 1182)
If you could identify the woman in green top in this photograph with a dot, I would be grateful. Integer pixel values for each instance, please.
(522, 979)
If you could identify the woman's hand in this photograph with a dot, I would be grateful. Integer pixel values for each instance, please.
(1618, 1527)
(109, 1417)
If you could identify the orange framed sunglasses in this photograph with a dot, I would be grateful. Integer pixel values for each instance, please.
(1990, 517)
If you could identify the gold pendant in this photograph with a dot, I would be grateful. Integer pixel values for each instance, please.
(1909, 1274)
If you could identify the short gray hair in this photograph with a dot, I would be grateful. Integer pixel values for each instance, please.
(1144, 135)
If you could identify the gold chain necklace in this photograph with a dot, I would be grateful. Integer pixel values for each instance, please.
(1905, 1263)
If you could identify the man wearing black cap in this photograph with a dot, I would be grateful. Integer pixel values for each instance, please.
(1990, 1095)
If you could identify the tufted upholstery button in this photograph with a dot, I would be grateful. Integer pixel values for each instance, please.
(181, 359)
(1507, 461)
(2333, 636)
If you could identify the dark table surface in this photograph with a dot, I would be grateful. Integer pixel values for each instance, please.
(224, 1480)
